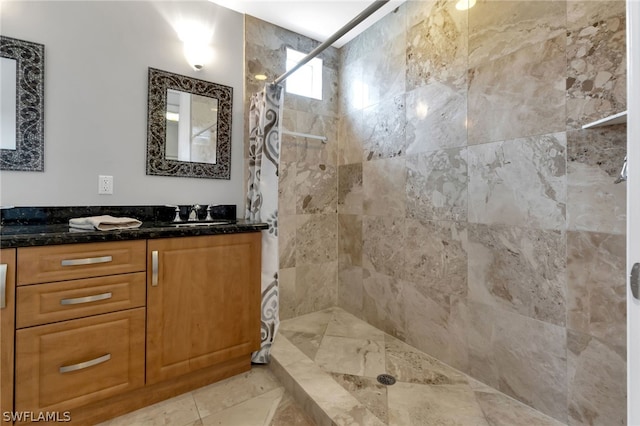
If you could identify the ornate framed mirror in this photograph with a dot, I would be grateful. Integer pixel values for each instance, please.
(22, 97)
(188, 127)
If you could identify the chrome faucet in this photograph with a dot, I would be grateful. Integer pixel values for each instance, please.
(208, 218)
(193, 216)
(177, 217)
(177, 211)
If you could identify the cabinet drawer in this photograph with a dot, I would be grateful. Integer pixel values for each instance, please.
(52, 302)
(69, 364)
(73, 261)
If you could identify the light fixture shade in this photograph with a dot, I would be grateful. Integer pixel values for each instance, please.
(195, 37)
(465, 4)
(197, 54)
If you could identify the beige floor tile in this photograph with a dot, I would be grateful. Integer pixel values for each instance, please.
(285, 351)
(306, 331)
(501, 410)
(227, 393)
(343, 324)
(368, 391)
(415, 404)
(195, 423)
(308, 343)
(341, 382)
(289, 413)
(408, 364)
(351, 356)
(257, 411)
(178, 411)
(315, 323)
(338, 404)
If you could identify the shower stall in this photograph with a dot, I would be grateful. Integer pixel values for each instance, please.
(459, 206)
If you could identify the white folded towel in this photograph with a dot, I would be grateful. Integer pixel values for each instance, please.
(104, 223)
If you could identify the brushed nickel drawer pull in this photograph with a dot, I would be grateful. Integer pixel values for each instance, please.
(86, 261)
(154, 268)
(3, 286)
(86, 364)
(86, 299)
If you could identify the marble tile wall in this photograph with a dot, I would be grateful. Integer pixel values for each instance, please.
(477, 221)
(308, 199)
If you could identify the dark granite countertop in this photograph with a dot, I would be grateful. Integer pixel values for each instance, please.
(42, 235)
(24, 227)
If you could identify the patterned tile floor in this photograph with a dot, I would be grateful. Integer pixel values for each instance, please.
(255, 398)
(323, 371)
(330, 359)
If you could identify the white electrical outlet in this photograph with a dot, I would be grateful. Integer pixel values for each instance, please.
(105, 184)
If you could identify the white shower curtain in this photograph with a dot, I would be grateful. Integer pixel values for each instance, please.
(265, 114)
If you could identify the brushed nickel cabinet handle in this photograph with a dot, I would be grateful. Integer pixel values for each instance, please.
(634, 280)
(85, 364)
(154, 268)
(86, 261)
(3, 286)
(86, 299)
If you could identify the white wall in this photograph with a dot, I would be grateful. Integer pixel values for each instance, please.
(96, 59)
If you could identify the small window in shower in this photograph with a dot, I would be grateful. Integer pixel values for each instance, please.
(307, 81)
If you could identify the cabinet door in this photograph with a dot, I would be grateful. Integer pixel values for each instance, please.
(69, 364)
(203, 305)
(7, 329)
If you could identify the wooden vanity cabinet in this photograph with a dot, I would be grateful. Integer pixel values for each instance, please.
(7, 329)
(203, 302)
(101, 329)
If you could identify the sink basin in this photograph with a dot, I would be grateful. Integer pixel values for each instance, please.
(192, 224)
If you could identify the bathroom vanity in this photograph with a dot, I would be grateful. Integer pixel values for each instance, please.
(95, 324)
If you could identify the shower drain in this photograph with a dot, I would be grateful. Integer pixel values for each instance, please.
(386, 379)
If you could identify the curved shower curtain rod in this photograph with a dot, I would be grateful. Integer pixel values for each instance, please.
(342, 31)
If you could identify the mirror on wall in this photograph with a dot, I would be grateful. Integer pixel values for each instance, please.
(189, 127)
(192, 127)
(21, 105)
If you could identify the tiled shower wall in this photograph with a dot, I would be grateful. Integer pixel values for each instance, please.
(476, 220)
(307, 204)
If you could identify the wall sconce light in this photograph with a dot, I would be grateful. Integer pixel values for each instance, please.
(465, 4)
(195, 37)
(197, 54)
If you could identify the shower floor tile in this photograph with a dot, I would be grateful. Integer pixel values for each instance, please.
(323, 371)
(351, 356)
(254, 398)
(329, 361)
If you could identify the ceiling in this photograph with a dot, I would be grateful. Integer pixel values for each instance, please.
(316, 19)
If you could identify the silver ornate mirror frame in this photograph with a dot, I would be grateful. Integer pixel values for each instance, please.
(29, 152)
(157, 164)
